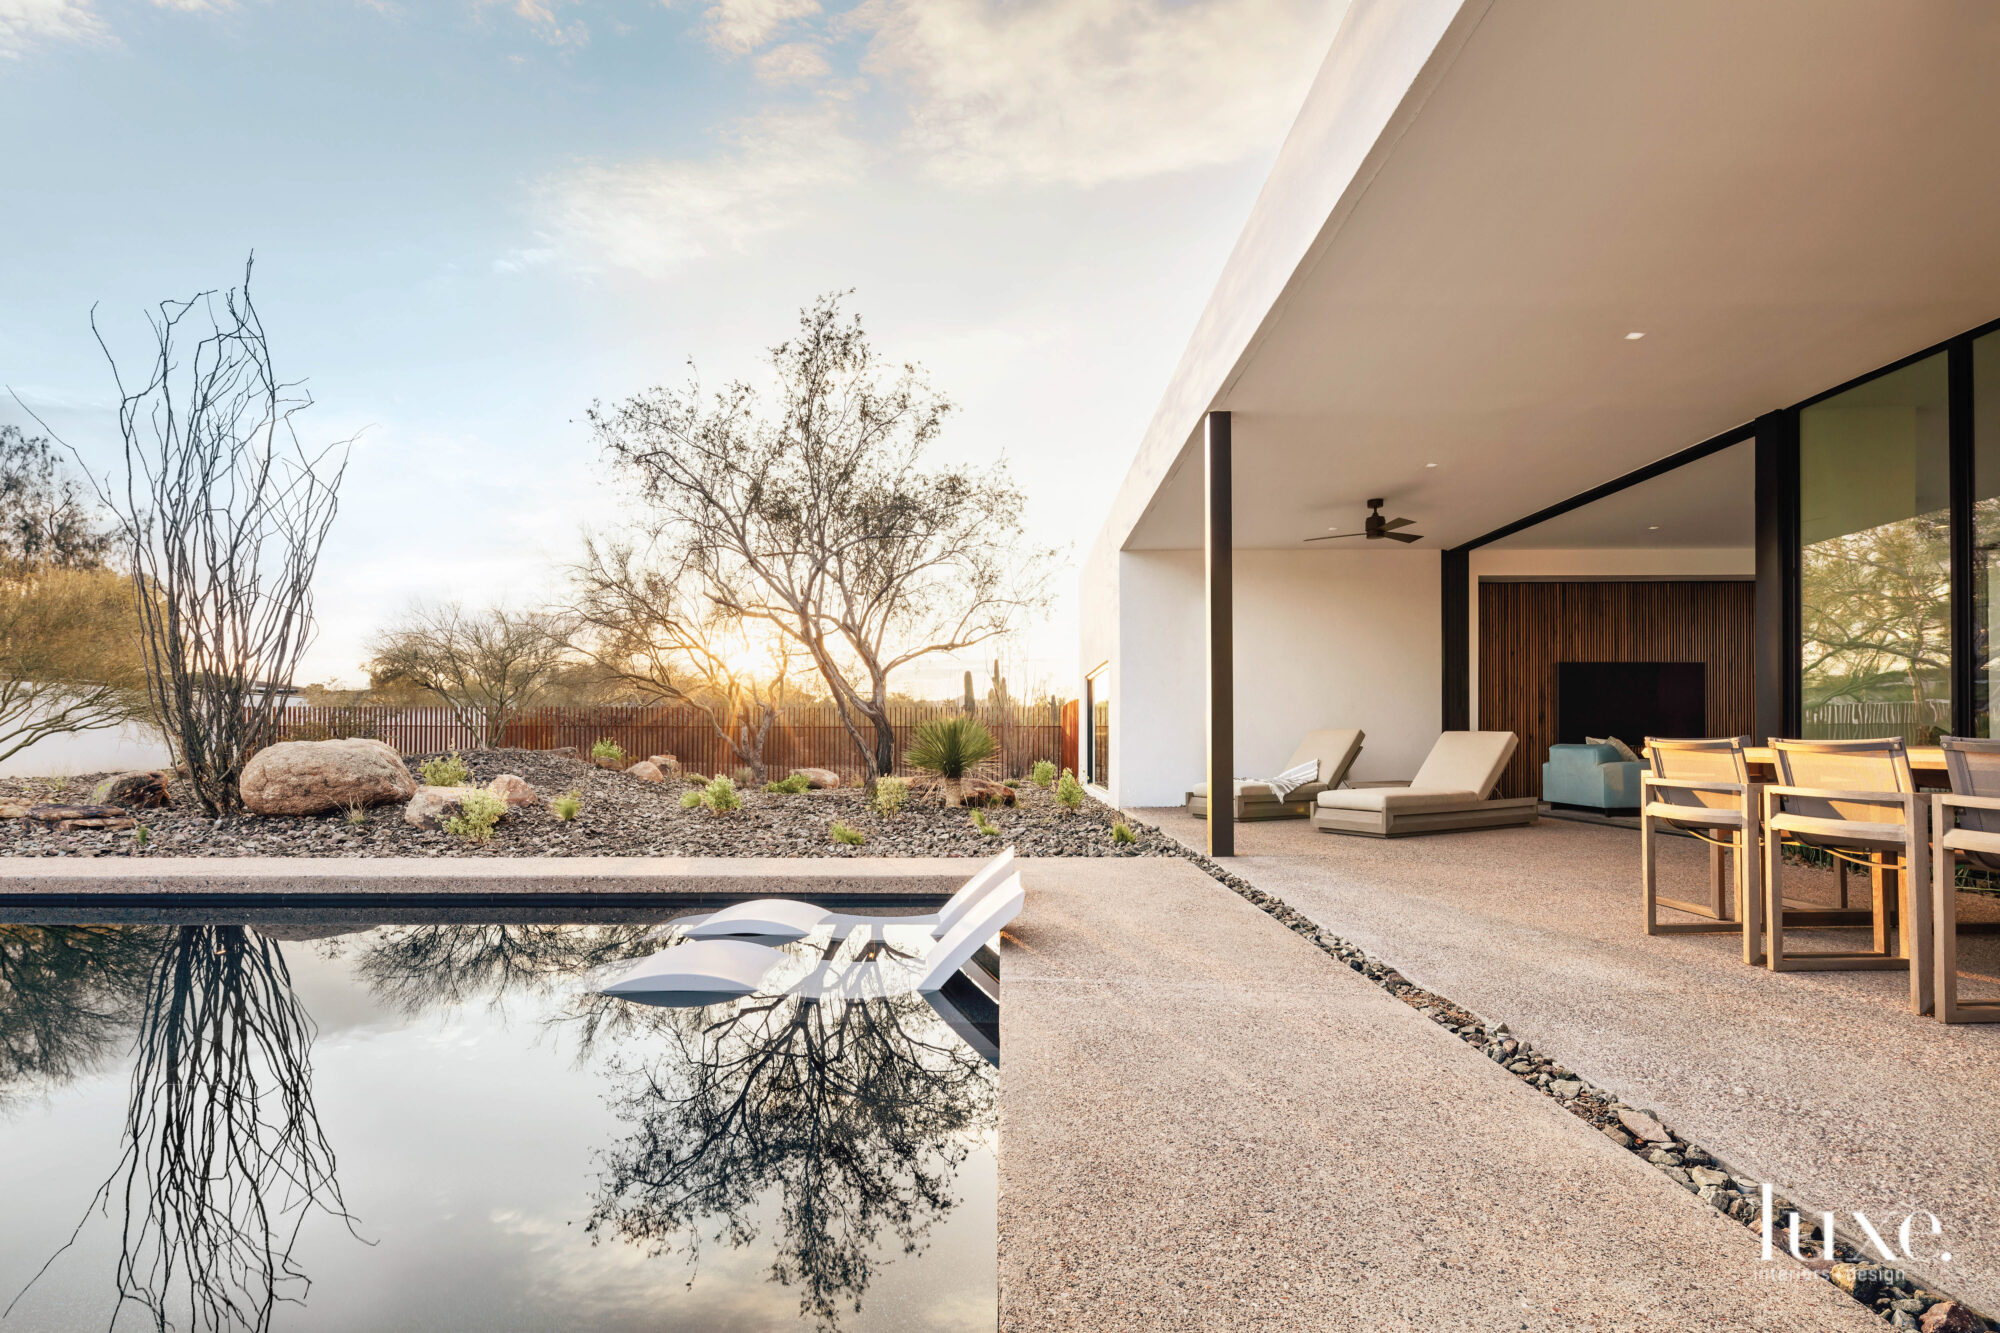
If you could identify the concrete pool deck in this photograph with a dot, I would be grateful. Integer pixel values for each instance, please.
(1207, 1123)
(145, 881)
(1821, 1082)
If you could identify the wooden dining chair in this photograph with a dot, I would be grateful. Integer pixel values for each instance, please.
(1703, 788)
(1856, 800)
(1966, 824)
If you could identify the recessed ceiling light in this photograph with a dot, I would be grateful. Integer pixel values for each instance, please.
(1654, 528)
(1430, 465)
(1634, 337)
(1333, 529)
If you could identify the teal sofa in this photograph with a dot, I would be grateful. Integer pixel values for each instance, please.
(1592, 776)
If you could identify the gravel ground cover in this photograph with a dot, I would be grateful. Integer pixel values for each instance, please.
(618, 816)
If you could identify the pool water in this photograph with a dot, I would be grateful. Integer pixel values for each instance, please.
(334, 1124)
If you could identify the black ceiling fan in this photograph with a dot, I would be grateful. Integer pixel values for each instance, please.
(1376, 527)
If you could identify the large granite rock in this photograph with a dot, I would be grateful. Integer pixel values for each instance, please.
(646, 771)
(429, 807)
(138, 790)
(318, 777)
(666, 763)
(982, 791)
(514, 790)
(821, 779)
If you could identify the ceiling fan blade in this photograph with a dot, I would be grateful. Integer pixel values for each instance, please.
(1402, 536)
(1334, 536)
(1398, 523)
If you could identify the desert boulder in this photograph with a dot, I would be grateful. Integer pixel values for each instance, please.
(318, 777)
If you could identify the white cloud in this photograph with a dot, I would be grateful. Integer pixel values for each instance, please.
(24, 23)
(742, 26)
(1086, 91)
(651, 217)
(794, 62)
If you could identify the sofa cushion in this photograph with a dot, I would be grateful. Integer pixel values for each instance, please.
(1466, 761)
(1396, 800)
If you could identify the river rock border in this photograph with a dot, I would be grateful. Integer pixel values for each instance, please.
(1891, 1292)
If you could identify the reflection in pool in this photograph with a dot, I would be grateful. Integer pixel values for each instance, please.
(356, 1126)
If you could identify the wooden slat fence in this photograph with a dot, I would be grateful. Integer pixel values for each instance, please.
(805, 735)
(1917, 723)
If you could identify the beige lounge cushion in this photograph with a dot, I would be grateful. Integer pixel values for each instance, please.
(1466, 761)
(1396, 800)
(1262, 791)
(1335, 751)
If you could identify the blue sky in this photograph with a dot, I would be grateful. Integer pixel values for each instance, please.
(474, 217)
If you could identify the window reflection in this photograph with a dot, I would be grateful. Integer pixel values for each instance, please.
(1875, 568)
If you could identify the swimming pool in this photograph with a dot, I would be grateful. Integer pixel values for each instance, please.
(334, 1123)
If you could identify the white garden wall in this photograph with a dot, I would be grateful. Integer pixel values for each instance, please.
(1323, 639)
(109, 750)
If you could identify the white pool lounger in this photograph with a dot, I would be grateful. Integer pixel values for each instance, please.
(705, 971)
(789, 919)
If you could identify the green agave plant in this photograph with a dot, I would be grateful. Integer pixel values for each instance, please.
(951, 747)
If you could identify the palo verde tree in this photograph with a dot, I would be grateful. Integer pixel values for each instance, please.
(643, 616)
(69, 633)
(222, 514)
(815, 509)
(486, 666)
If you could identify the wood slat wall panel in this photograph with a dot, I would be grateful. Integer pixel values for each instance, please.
(1527, 629)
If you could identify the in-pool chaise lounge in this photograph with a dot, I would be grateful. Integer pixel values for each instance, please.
(1451, 791)
(708, 971)
(1332, 752)
(789, 919)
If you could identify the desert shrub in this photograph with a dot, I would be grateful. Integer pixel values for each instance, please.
(357, 815)
(1122, 832)
(985, 825)
(1014, 782)
(848, 837)
(951, 747)
(449, 771)
(692, 796)
(1069, 792)
(566, 805)
(141, 835)
(1042, 774)
(608, 751)
(721, 797)
(891, 794)
(795, 785)
(478, 812)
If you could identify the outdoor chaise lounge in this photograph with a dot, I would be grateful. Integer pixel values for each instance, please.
(788, 919)
(1451, 791)
(709, 971)
(1265, 798)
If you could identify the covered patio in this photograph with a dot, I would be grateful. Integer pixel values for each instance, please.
(1822, 1083)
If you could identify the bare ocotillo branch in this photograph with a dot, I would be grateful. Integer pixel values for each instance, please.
(224, 513)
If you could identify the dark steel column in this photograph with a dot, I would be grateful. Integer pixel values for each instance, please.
(1217, 535)
(1777, 608)
(1455, 599)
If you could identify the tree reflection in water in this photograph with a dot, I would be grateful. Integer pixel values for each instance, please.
(69, 996)
(418, 968)
(853, 1116)
(224, 1156)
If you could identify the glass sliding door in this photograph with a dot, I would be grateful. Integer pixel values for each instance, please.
(1875, 557)
(1985, 590)
(1097, 740)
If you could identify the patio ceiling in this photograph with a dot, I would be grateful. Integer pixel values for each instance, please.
(1780, 196)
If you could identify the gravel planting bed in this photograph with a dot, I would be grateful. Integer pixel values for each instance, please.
(619, 816)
